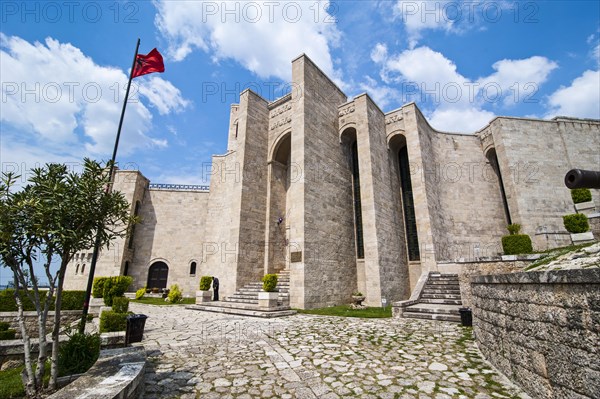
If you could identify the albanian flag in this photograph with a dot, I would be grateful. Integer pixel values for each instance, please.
(149, 63)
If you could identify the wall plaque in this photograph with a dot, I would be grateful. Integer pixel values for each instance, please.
(296, 257)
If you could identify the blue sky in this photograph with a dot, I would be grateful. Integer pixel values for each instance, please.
(64, 66)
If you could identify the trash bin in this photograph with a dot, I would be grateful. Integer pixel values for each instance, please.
(466, 317)
(135, 328)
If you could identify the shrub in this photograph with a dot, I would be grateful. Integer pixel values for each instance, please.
(139, 294)
(115, 287)
(120, 305)
(4, 325)
(78, 354)
(576, 223)
(111, 321)
(8, 334)
(175, 294)
(517, 244)
(205, 282)
(514, 228)
(357, 293)
(269, 282)
(98, 287)
(580, 195)
(73, 300)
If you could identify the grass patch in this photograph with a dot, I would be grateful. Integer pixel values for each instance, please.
(11, 385)
(347, 311)
(162, 302)
(555, 253)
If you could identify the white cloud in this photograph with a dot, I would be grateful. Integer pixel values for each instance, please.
(262, 36)
(69, 107)
(518, 79)
(456, 103)
(418, 16)
(163, 95)
(382, 95)
(580, 99)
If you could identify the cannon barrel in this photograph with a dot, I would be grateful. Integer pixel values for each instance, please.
(579, 178)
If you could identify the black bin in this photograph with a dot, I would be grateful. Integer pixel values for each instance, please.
(135, 328)
(466, 317)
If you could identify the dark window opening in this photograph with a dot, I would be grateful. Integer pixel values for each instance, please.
(132, 233)
(193, 268)
(493, 158)
(410, 220)
(126, 268)
(83, 268)
(360, 249)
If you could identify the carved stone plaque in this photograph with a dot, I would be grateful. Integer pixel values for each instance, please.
(296, 257)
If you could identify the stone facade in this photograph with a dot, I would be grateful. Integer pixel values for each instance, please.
(348, 197)
(542, 330)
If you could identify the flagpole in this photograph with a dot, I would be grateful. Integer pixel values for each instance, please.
(88, 292)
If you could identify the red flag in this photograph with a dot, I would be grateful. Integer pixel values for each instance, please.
(149, 63)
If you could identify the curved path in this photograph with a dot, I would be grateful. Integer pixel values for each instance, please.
(196, 354)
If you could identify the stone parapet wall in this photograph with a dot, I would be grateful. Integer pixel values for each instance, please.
(31, 321)
(542, 330)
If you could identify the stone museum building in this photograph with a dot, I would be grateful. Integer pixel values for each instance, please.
(346, 197)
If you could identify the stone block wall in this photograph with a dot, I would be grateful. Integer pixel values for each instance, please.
(31, 321)
(542, 330)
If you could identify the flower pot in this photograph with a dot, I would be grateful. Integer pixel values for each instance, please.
(357, 301)
(203, 296)
(268, 299)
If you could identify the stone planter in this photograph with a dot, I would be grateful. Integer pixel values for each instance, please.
(267, 299)
(581, 238)
(586, 208)
(203, 296)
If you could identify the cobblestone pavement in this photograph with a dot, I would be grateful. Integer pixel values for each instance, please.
(196, 354)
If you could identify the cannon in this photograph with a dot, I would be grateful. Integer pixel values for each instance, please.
(579, 178)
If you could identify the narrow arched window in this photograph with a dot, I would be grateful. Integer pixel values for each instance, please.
(83, 268)
(77, 269)
(193, 269)
(135, 213)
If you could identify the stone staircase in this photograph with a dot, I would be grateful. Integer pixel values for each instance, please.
(439, 300)
(245, 300)
(248, 294)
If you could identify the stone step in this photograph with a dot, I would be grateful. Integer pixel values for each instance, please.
(440, 296)
(239, 300)
(444, 301)
(435, 282)
(432, 316)
(442, 275)
(440, 291)
(253, 311)
(433, 308)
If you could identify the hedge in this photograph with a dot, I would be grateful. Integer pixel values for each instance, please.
(580, 195)
(115, 287)
(516, 244)
(71, 300)
(98, 287)
(120, 305)
(5, 332)
(78, 354)
(576, 223)
(112, 321)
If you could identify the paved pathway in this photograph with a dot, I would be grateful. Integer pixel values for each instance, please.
(196, 354)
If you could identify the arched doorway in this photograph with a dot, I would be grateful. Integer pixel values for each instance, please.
(279, 205)
(398, 147)
(157, 275)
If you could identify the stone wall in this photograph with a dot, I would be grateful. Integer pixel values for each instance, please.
(542, 330)
(31, 321)
(534, 156)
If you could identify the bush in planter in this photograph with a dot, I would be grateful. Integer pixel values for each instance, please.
(516, 243)
(78, 354)
(269, 282)
(580, 195)
(112, 321)
(72, 300)
(120, 305)
(576, 223)
(205, 282)
(175, 294)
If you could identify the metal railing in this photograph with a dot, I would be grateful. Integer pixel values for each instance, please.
(179, 187)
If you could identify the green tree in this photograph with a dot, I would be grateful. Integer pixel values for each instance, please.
(57, 214)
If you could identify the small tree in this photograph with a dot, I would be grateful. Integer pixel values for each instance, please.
(53, 217)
